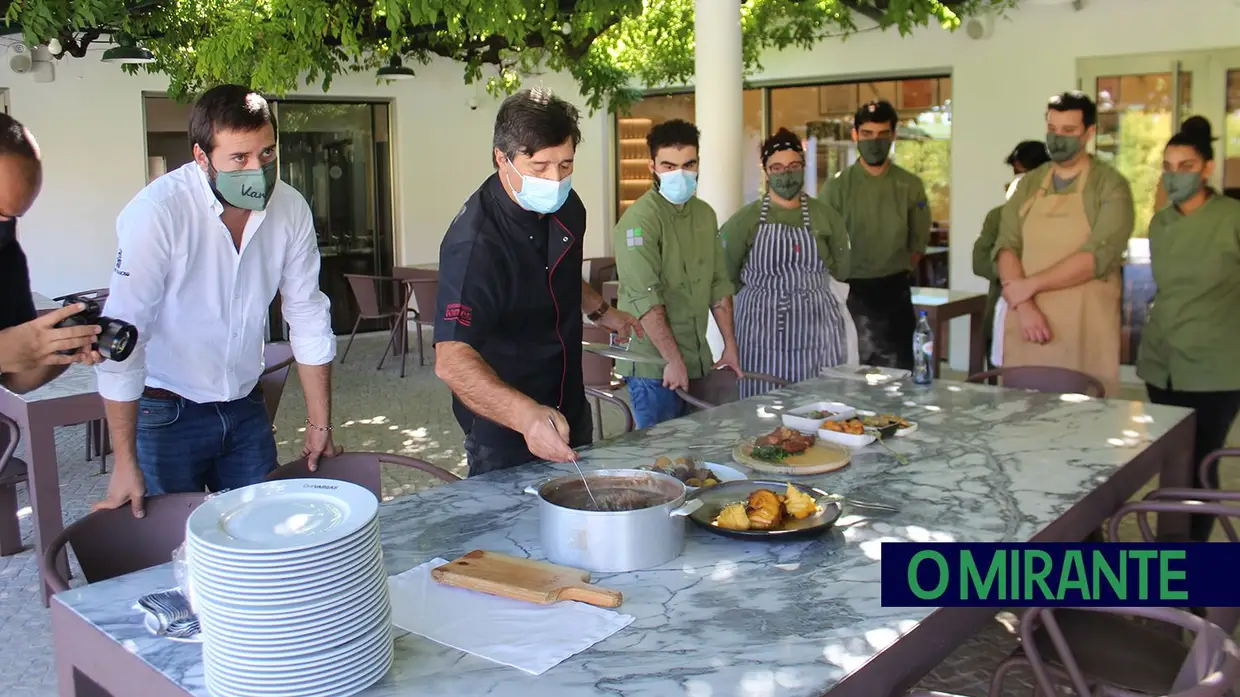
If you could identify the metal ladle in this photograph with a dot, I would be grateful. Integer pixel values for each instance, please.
(581, 474)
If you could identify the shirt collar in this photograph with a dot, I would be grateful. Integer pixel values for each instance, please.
(665, 206)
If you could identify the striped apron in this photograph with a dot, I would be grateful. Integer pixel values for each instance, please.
(788, 323)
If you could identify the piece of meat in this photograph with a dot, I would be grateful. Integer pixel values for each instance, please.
(764, 509)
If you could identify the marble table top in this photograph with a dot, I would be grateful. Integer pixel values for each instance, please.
(76, 381)
(729, 617)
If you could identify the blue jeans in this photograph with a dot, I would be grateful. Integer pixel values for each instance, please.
(185, 447)
(653, 403)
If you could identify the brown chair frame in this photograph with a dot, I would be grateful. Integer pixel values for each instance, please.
(365, 289)
(279, 359)
(13, 471)
(111, 543)
(1043, 378)
(362, 469)
(699, 403)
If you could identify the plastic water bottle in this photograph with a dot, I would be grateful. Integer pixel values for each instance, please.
(923, 351)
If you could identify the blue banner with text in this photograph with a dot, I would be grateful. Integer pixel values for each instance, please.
(941, 574)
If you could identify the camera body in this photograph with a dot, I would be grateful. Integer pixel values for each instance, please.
(117, 339)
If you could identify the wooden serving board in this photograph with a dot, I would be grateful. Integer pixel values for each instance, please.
(523, 579)
(820, 458)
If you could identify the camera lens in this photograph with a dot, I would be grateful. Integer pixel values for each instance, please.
(118, 339)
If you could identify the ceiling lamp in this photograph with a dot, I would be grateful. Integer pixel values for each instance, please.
(127, 52)
(395, 70)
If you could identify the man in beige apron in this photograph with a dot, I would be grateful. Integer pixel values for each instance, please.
(1059, 254)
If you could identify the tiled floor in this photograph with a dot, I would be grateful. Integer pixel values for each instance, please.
(375, 410)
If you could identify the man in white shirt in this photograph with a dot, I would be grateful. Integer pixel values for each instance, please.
(203, 251)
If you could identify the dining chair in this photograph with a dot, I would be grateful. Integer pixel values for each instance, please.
(12, 473)
(1213, 460)
(599, 378)
(1043, 378)
(277, 360)
(1110, 652)
(600, 270)
(722, 387)
(423, 292)
(111, 543)
(363, 469)
(383, 298)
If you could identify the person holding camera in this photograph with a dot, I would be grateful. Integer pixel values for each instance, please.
(203, 251)
(33, 350)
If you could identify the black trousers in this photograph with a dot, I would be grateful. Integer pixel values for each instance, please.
(882, 309)
(483, 458)
(1216, 412)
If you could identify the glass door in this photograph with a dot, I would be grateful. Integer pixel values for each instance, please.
(337, 155)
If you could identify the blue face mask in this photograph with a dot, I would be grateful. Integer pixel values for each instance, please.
(678, 185)
(541, 195)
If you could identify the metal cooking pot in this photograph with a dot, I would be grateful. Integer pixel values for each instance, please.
(651, 533)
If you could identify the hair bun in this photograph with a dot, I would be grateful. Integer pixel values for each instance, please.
(1197, 128)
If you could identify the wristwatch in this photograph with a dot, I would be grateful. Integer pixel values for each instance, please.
(598, 314)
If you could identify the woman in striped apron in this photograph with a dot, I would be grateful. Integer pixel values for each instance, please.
(782, 252)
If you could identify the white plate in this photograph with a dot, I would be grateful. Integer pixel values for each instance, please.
(299, 582)
(723, 473)
(912, 425)
(847, 439)
(265, 632)
(796, 419)
(231, 662)
(310, 677)
(866, 373)
(282, 516)
(344, 686)
(261, 609)
(350, 626)
(282, 561)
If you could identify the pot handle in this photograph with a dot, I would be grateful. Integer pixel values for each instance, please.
(686, 509)
(533, 489)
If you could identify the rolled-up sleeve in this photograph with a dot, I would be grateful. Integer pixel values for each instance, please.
(136, 293)
(304, 305)
(1108, 240)
(639, 264)
(470, 297)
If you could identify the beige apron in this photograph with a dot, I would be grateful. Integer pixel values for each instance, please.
(1084, 320)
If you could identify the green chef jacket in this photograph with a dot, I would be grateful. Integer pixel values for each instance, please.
(984, 266)
(670, 256)
(887, 216)
(827, 226)
(1108, 207)
(1190, 340)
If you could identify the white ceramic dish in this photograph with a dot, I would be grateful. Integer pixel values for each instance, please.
(847, 440)
(796, 419)
(722, 472)
(282, 516)
(900, 433)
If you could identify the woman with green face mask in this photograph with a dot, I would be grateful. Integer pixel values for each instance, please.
(1188, 347)
(784, 252)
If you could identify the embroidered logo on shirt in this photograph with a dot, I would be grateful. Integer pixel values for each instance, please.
(117, 268)
(634, 236)
(461, 314)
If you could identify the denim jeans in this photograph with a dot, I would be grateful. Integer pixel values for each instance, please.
(653, 403)
(185, 447)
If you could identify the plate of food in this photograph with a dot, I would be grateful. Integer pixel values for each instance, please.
(887, 425)
(693, 474)
(808, 418)
(762, 509)
(788, 451)
(850, 433)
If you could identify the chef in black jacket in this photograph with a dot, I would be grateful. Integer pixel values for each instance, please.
(511, 296)
(29, 345)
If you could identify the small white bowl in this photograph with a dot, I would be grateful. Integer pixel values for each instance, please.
(847, 439)
(722, 473)
(796, 419)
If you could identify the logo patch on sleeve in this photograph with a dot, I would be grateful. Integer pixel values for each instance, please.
(461, 314)
(634, 237)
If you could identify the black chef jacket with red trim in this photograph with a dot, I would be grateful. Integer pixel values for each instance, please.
(510, 287)
(16, 301)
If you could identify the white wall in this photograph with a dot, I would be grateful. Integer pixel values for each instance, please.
(89, 124)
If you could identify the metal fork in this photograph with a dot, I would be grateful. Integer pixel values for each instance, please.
(168, 608)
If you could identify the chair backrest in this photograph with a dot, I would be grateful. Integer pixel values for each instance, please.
(722, 387)
(10, 436)
(278, 358)
(362, 469)
(1223, 505)
(425, 291)
(1212, 668)
(599, 270)
(1044, 378)
(412, 273)
(372, 294)
(1211, 460)
(111, 543)
(596, 370)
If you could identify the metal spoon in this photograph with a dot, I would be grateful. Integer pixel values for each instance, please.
(581, 474)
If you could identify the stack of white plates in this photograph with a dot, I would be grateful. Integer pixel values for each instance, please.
(288, 583)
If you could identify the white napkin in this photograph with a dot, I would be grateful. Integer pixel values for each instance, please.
(527, 636)
(996, 346)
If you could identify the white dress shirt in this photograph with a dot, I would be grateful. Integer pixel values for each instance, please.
(199, 304)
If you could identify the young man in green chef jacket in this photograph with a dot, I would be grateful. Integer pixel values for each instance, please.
(672, 277)
(888, 219)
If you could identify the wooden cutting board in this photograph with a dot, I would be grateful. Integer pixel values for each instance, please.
(523, 579)
(820, 458)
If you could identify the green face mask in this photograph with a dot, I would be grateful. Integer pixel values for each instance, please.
(875, 151)
(247, 188)
(1062, 148)
(1181, 186)
(787, 184)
